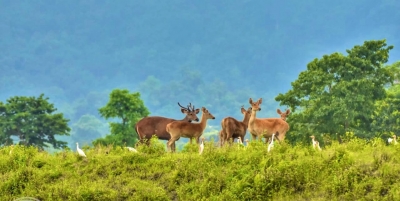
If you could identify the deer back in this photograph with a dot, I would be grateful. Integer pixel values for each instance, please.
(155, 125)
(268, 126)
(186, 129)
(233, 127)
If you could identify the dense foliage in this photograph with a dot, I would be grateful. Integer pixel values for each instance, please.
(338, 93)
(129, 108)
(33, 121)
(354, 170)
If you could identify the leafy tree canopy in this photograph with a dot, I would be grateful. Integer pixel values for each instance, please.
(386, 118)
(33, 121)
(130, 109)
(337, 93)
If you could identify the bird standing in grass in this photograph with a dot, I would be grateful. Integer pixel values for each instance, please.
(390, 140)
(315, 143)
(271, 144)
(393, 140)
(80, 151)
(201, 148)
(131, 149)
(11, 148)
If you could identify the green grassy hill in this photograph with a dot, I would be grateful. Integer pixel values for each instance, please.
(355, 170)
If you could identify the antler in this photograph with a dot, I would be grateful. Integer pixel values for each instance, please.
(183, 107)
(192, 107)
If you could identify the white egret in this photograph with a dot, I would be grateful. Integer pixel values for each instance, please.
(315, 143)
(394, 139)
(11, 148)
(271, 144)
(201, 148)
(390, 140)
(131, 149)
(80, 151)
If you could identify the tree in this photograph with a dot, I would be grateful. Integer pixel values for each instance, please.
(386, 118)
(33, 121)
(337, 93)
(130, 109)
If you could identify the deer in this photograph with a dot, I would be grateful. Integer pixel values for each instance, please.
(178, 129)
(232, 128)
(155, 125)
(283, 115)
(265, 127)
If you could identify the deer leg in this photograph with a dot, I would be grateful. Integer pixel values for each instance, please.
(198, 140)
(280, 138)
(253, 137)
(222, 137)
(229, 136)
(221, 141)
(171, 143)
(173, 147)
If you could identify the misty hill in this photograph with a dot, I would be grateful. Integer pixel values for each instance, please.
(213, 54)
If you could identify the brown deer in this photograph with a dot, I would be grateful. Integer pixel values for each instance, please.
(232, 128)
(178, 129)
(283, 115)
(265, 127)
(155, 125)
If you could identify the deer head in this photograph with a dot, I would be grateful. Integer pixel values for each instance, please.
(207, 114)
(191, 113)
(283, 114)
(244, 111)
(255, 106)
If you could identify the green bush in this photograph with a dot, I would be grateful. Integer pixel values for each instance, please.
(357, 169)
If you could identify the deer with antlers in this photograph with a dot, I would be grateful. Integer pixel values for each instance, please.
(265, 127)
(232, 128)
(178, 129)
(155, 125)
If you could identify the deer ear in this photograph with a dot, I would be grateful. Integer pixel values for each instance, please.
(278, 111)
(260, 100)
(243, 110)
(251, 101)
(184, 111)
(197, 111)
(287, 112)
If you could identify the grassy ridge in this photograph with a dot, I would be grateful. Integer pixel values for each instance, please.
(355, 170)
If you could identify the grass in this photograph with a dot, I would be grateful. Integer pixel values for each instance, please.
(356, 170)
